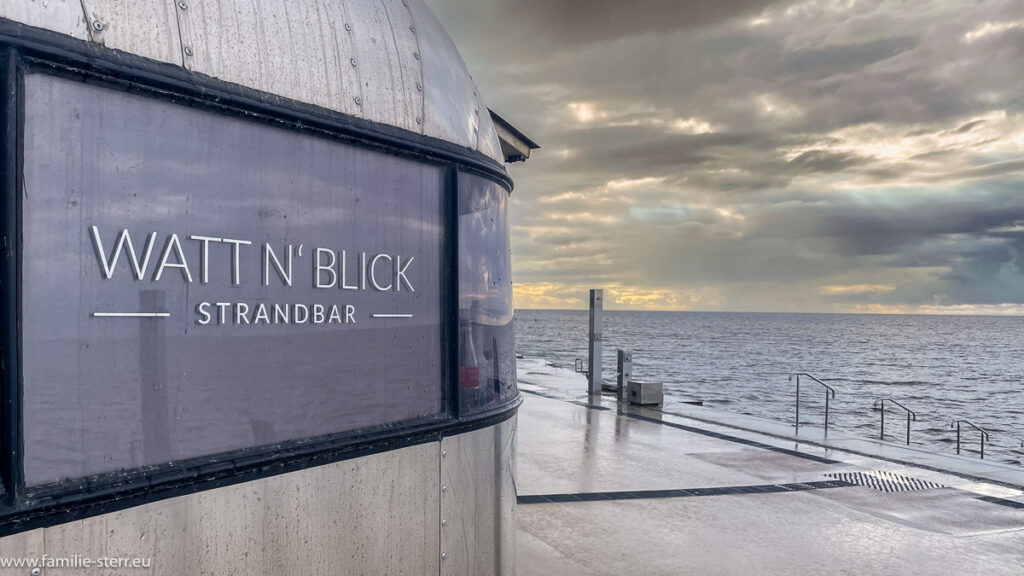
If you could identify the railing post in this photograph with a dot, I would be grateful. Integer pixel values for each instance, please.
(625, 361)
(958, 438)
(882, 435)
(797, 403)
(908, 427)
(826, 412)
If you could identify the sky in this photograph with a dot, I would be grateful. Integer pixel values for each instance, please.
(758, 155)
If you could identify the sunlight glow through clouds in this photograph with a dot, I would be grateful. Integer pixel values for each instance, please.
(990, 29)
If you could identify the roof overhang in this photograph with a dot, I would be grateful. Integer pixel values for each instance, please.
(515, 146)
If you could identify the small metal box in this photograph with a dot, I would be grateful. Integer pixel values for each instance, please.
(645, 393)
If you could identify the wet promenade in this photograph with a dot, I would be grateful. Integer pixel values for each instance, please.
(703, 492)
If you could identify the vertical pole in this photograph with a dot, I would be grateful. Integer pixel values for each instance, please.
(596, 320)
(826, 412)
(882, 435)
(797, 403)
(625, 361)
(957, 437)
(908, 428)
(982, 446)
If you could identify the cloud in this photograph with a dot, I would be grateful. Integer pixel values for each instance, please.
(855, 289)
(815, 155)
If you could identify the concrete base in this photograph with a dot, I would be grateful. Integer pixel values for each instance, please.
(645, 393)
(726, 502)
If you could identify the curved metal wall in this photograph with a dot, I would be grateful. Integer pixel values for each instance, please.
(442, 508)
(387, 61)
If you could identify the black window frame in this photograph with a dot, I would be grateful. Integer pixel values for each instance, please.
(31, 50)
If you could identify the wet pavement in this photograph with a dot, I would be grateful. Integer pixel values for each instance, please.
(641, 492)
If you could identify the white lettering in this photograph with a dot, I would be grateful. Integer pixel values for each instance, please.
(175, 245)
(269, 256)
(400, 274)
(123, 238)
(204, 257)
(344, 273)
(261, 315)
(242, 313)
(321, 268)
(203, 309)
(373, 272)
(305, 314)
(236, 267)
(223, 311)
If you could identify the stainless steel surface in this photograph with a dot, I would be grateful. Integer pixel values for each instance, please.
(829, 392)
(624, 359)
(478, 507)
(374, 515)
(409, 73)
(64, 16)
(594, 341)
(880, 406)
(450, 107)
(148, 28)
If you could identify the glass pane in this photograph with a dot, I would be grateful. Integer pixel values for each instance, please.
(293, 283)
(487, 364)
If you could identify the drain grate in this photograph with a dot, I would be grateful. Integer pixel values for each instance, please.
(885, 481)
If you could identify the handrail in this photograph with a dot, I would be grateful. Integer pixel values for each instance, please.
(984, 434)
(911, 415)
(828, 391)
(579, 368)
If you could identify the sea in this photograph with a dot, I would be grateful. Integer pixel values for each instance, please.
(944, 368)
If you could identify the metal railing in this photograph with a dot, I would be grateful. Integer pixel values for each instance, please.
(579, 368)
(911, 415)
(984, 434)
(829, 392)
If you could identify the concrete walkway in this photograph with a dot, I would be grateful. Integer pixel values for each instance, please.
(604, 492)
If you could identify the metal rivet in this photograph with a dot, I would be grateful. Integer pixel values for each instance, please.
(412, 28)
(359, 101)
(97, 26)
(419, 120)
(444, 488)
(444, 522)
(35, 572)
(188, 51)
(444, 555)
(419, 86)
(353, 61)
(444, 452)
(405, 3)
(416, 55)
(183, 5)
(348, 27)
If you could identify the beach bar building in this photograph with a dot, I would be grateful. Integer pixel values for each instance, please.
(256, 304)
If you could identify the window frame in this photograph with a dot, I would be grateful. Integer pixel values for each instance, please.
(29, 50)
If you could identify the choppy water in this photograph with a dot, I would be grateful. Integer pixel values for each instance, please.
(942, 367)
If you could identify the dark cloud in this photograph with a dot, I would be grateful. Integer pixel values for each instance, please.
(802, 155)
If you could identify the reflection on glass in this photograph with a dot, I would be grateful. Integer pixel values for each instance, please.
(487, 366)
(103, 394)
